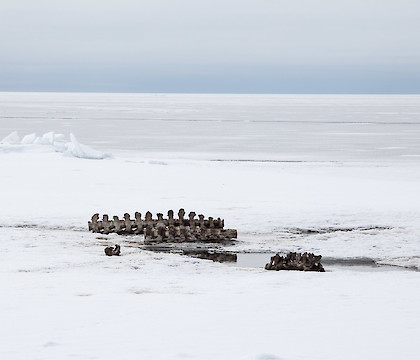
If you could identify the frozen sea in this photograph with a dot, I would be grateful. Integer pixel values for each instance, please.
(338, 175)
(229, 127)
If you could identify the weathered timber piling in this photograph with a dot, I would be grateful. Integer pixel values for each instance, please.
(296, 261)
(170, 229)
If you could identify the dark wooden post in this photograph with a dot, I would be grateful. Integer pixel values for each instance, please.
(128, 223)
(93, 224)
(107, 225)
(181, 214)
(139, 223)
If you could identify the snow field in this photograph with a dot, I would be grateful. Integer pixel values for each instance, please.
(66, 299)
(62, 298)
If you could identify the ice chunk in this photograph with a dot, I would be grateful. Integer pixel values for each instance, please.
(49, 138)
(60, 146)
(59, 137)
(46, 139)
(74, 148)
(13, 138)
(28, 139)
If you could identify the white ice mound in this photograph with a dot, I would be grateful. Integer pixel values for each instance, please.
(49, 138)
(58, 142)
(74, 148)
(11, 139)
(46, 139)
(28, 139)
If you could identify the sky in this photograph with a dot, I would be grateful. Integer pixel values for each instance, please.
(217, 46)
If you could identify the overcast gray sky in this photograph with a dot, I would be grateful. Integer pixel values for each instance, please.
(265, 46)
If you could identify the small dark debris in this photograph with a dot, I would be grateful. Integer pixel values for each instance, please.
(110, 251)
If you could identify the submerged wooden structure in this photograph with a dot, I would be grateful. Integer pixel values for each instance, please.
(171, 229)
(296, 261)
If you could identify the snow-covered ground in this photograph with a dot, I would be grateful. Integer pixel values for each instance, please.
(62, 298)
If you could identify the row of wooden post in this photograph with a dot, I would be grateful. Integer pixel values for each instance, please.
(171, 233)
(164, 230)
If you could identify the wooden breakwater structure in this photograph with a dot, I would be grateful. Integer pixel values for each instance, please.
(171, 229)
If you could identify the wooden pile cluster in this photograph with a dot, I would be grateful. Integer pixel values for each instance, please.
(165, 230)
(296, 261)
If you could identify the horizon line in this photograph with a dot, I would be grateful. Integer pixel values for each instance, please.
(198, 93)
